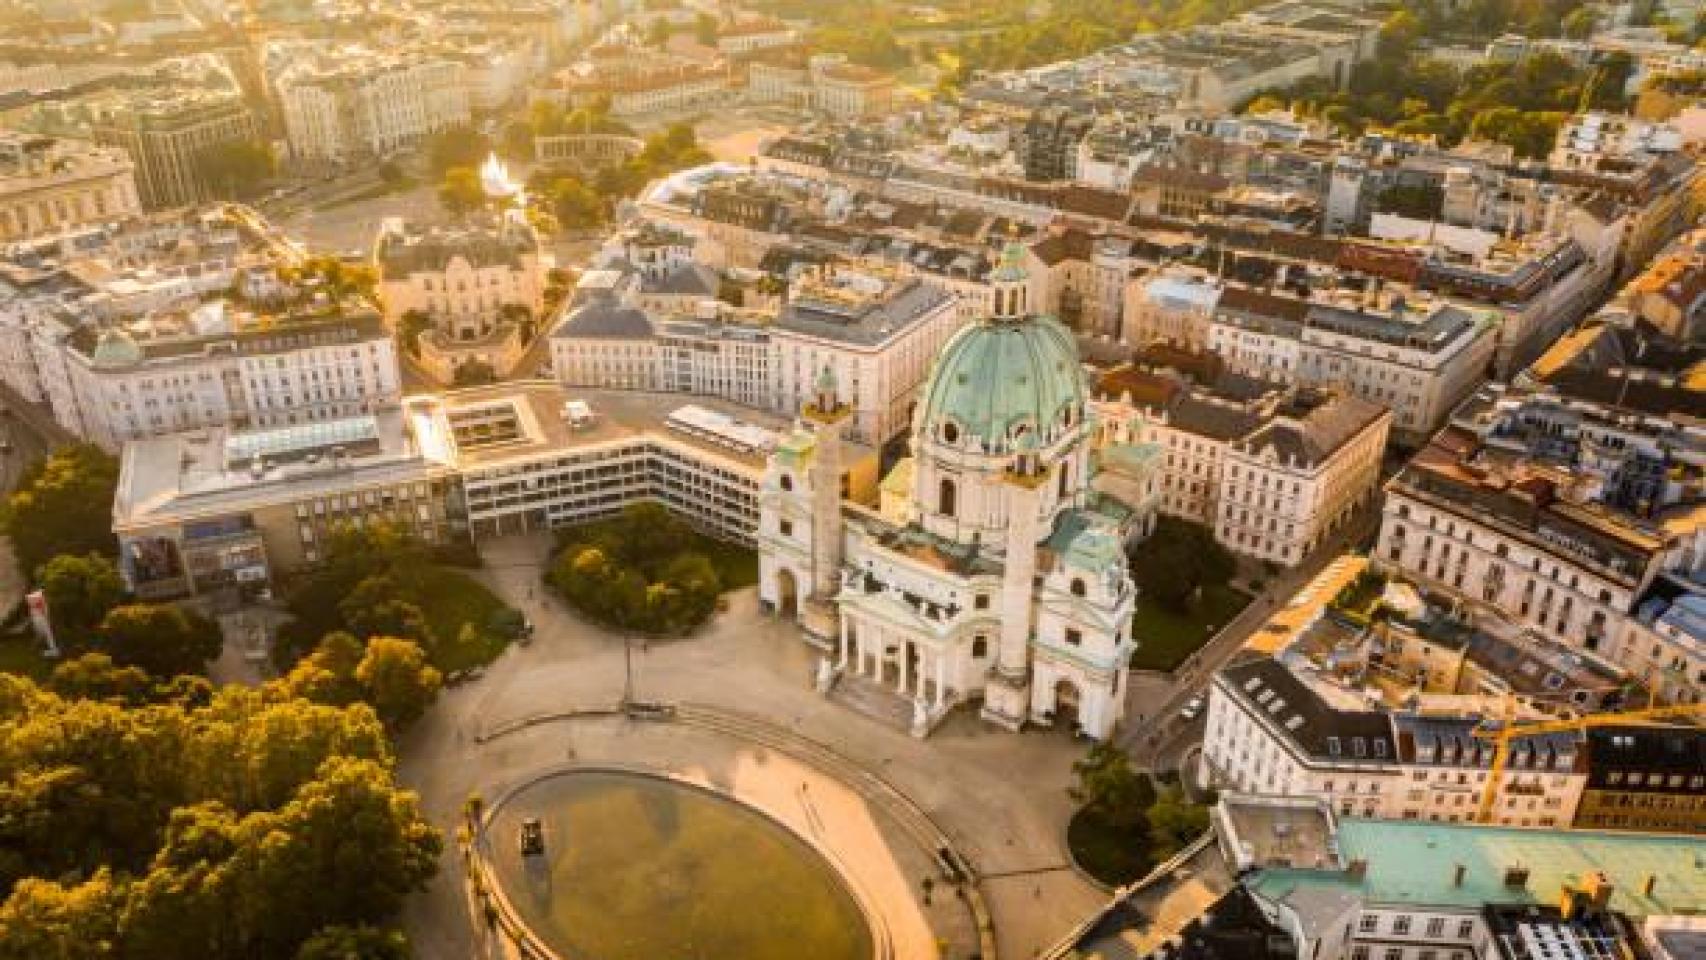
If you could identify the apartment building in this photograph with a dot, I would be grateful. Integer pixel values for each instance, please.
(1301, 476)
(823, 83)
(166, 135)
(878, 332)
(345, 104)
(606, 341)
(1420, 368)
(1651, 779)
(1555, 514)
(1283, 731)
(50, 185)
(1272, 470)
(214, 369)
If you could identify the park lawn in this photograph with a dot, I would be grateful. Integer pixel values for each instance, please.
(22, 656)
(449, 599)
(1166, 638)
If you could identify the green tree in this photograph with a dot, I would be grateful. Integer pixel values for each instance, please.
(64, 505)
(380, 606)
(1107, 785)
(355, 943)
(397, 681)
(456, 147)
(461, 191)
(574, 204)
(328, 674)
(42, 920)
(705, 29)
(1177, 561)
(1581, 23)
(1174, 822)
(80, 592)
(346, 849)
(658, 32)
(410, 326)
(236, 168)
(94, 676)
(473, 373)
(161, 638)
(1420, 201)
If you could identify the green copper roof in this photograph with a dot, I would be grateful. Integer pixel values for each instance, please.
(995, 375)
(1412, 862)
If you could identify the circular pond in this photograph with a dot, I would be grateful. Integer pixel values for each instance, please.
(638, 867)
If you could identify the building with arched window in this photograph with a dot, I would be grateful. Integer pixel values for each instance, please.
(994, 575)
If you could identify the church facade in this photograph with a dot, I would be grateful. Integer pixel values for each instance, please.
(992, 575)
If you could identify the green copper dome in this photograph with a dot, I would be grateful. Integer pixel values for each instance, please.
(996, 376)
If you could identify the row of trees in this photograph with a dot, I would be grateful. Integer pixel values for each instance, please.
(634, 573)
(1403, 88)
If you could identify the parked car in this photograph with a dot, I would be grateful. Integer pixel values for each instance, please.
(532, 837)
(1193, 706)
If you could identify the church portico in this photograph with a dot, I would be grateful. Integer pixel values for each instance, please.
(991, 572)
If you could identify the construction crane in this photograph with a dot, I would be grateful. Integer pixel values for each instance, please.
(1507, 730)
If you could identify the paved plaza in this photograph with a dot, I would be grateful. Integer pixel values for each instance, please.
(1000, 799)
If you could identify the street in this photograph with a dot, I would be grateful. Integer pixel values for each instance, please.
(1164, 736)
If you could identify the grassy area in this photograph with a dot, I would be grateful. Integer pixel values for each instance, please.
(450, 599)
(1358, 598)
(1165, 637)
(447, 598)
(23, 656)
(1111, 854)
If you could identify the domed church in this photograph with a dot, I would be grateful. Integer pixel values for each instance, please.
(992, 576)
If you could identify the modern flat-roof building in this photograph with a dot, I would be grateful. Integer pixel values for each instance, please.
(220, 508)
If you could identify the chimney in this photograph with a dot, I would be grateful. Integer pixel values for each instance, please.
(1599, 889)
(1457, 875)
(1357, 869)
(1648, 885)
(1516, 877)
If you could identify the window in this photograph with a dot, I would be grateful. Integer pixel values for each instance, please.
(787, 482)
(1436, 926)
(1073, 636)
(1368, 924)
(1078, 586)
(980, 647)
(1401, 924)
(1359, 952)
(786, 527)
(1465, 929)
(980, 602)
(945, 497)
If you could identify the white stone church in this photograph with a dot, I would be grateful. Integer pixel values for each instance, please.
(992, 573)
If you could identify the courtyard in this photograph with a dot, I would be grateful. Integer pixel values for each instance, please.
(998, 800)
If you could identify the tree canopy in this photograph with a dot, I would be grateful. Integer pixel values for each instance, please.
(1177, 561)
(162, 639)
(64, 504)
(634, 573)
(241, 826)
